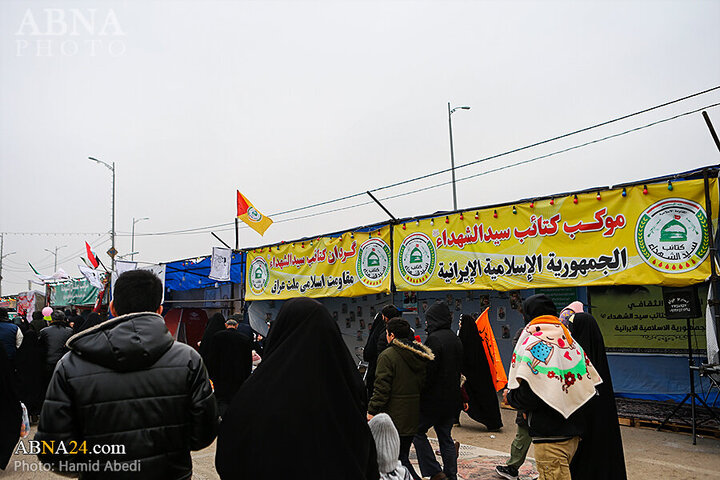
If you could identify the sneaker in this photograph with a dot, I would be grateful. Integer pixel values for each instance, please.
(506, 471)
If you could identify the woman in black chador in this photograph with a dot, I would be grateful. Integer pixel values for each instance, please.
(214, 325)
(302, 413)
(11, 416)
(483, 405)
(600, 454)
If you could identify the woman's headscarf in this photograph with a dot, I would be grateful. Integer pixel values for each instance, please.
(554, 366)
(214, 325)
(600, 454)
(483, 405)
(569, 311)
(306, 399)
(387, 443)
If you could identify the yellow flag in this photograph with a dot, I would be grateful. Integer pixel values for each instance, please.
(250, 215)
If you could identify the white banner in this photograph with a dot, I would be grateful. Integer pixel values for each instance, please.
(220, 264)
(121, 267)
(92, 276)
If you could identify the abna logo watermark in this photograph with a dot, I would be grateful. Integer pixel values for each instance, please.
(70, 32)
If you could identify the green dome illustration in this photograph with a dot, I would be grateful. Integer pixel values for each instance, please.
(373, 259)
(673, 231)
(416, 255)
(258, 273)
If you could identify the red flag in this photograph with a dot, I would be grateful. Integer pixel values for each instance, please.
(91, 255)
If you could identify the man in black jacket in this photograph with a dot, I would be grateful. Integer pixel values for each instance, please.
(376, 343)
(51, 340)
(127, 397)
(441, 400)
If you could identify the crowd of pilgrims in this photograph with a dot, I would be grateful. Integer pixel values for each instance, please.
(304, 411)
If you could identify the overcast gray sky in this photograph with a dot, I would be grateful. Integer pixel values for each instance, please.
(299, 102)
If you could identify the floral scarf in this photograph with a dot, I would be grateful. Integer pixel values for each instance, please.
(554, 365)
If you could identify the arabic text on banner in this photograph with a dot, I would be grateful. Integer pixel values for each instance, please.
(658, 238)
(346, 266)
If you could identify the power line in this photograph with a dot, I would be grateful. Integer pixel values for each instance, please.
(205, 229)
(54, 234)
(202, 230)
(552, 154)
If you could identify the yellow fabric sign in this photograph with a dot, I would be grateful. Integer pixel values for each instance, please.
(347, 266)
(654, 238)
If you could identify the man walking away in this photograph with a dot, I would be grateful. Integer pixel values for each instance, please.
(10, 335)
(376, 343)
(400, 377)
(52, 344)
(127, 387)
(441, 400)
(229, 362)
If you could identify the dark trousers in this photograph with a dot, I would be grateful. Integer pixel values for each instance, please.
(429, 465)
(405, 443)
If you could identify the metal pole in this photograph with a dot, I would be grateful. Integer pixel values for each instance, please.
(113, 217)
(237, 235)
(1, 259)
(712, 130)
(55, 267)
(382, 206)
(132, 243)
(452, 158)
(715, 303)
(221, 240)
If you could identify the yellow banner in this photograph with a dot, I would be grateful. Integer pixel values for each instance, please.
(633, 236)
(347, 266)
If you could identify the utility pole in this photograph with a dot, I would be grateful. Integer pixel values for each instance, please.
(2, 238)
(452, 152)
(55, 254)
(1, 259)
(112, 252)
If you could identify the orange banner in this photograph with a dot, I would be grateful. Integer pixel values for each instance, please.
(497, 371)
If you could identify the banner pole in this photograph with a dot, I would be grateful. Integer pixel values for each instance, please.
(221, 241)
(382, 206)
(712, 129)
(237, 238)
(713, 254)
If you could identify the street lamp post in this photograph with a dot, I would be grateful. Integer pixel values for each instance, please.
(55, 253)
(112, 233)
(1, 259)
(132, 248)
(452, 153)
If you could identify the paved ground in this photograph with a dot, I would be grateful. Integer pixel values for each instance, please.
(649, 455)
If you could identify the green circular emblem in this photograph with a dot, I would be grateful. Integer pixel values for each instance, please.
(259, 275)
(672, 235)
(416, 258)
(373, 262)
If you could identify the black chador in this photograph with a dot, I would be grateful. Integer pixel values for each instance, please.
(302, 413)
(479, 386)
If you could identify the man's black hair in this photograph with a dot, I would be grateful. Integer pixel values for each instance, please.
(390, 311)
(4, 314)
(400, 328)
(137, 291)
(58, 316)
(37, 315)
